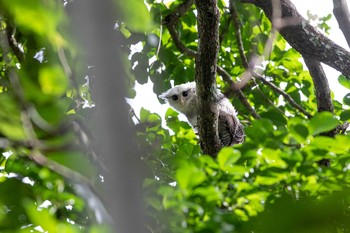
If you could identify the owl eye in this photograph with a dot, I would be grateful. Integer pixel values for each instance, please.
(174, 97)
(185, 93)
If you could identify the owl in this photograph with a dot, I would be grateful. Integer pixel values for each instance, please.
(183, 99)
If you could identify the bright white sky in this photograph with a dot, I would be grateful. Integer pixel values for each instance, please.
(147, 99)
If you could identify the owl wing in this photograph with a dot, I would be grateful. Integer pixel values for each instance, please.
(230, 129)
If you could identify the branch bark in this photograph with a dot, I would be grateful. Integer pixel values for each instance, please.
(305, 38)
(206, 66)
(341, 13)
(323, 92)
(171, 20)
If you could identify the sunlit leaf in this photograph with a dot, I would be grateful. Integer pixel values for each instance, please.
(139, 20)
(227, 157)
(189, 176)
(344, 81)
(323, 122)
(53, 81)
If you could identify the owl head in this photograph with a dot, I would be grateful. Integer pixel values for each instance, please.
(181, 97)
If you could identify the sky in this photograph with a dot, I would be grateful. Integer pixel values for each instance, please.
(316, 7)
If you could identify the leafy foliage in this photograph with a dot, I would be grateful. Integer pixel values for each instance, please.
(270, 183)
(42, 160)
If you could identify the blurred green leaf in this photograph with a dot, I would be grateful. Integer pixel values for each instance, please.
(227, 157)
(53, 81)
(345, 115)
(137, 21)
(189, 176)
(42, 217)
(323, 122)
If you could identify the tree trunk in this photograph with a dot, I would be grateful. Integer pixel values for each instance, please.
(208, 17)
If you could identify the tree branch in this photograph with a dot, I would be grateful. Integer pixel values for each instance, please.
(246, 104)
(238, 33)
(10, 32)
(341, 13)
(305, 38)
(287, 97)
(208, 18)
(323, 92)
(171, 20)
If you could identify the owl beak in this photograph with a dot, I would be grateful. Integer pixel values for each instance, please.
(182, 100)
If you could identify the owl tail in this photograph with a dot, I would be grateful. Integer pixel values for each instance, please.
(239, 135)
(230, 129)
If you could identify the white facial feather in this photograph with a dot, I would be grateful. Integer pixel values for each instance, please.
(182, 97)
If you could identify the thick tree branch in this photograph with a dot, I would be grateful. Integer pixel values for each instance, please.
(323, 92)
(341, 13)
(305, 38)
(208, 18)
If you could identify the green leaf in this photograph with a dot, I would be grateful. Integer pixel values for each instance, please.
(323, 122)
(137, 20)
(42, 19)
(150, 118)
(10, 118)
(344, 81)
(260, 130)
(210, 194)
(275, 116)
(74, 160)
(227, 157)
(300, 132)
(53, 80)
(345, 115)
(346, 99)
(340, 144)
(42, 217)
(189, 176)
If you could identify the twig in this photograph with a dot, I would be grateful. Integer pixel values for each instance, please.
(171, 20)
(237, 91)
(245, 102)
(287, 97)
(14, 44)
